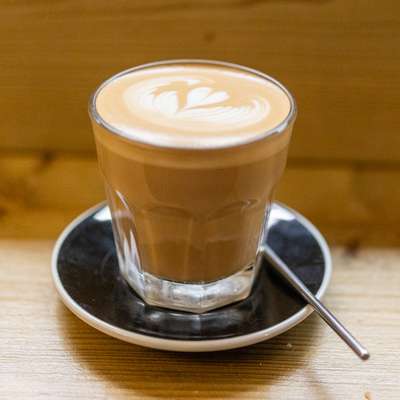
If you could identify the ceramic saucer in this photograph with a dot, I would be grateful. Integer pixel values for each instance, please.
(86, 275)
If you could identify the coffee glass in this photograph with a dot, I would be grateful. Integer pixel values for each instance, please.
(189, 214)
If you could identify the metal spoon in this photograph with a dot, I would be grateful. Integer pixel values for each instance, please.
(323, 312)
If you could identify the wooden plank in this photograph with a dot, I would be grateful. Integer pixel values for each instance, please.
(46, 352)
(40, 194)
(341, 60)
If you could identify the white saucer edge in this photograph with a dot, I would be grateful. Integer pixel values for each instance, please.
(189, 345)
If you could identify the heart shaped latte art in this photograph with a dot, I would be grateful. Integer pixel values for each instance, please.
(184, 101)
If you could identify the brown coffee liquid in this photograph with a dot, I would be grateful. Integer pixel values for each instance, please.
(192, 214)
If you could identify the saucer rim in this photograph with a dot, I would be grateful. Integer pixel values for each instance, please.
(202, 345)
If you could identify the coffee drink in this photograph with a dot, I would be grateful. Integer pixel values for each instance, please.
(190, 153)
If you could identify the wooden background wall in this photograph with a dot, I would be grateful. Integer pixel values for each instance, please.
(341, 59)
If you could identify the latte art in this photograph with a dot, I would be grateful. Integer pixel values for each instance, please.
(198, 104)
(192, 105)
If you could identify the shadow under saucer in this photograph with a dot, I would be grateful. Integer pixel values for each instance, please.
(148, 373)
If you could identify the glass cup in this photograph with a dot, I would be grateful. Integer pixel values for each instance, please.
(188, 222)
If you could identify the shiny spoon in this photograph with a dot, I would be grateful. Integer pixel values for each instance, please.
(279, 266)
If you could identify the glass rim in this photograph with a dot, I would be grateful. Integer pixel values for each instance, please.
(280, 128)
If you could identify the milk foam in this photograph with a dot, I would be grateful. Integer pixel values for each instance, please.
(199, 105)
(202, 108)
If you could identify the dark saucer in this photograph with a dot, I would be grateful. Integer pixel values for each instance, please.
(86, 275)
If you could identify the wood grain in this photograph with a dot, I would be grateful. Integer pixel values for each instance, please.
(348, 202)
(341, 60)
(47, 353)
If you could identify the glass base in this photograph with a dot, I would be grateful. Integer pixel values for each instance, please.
(191, 297)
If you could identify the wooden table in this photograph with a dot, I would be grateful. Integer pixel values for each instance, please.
(46, 352)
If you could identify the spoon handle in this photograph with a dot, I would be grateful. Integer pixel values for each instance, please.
(323, 312)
